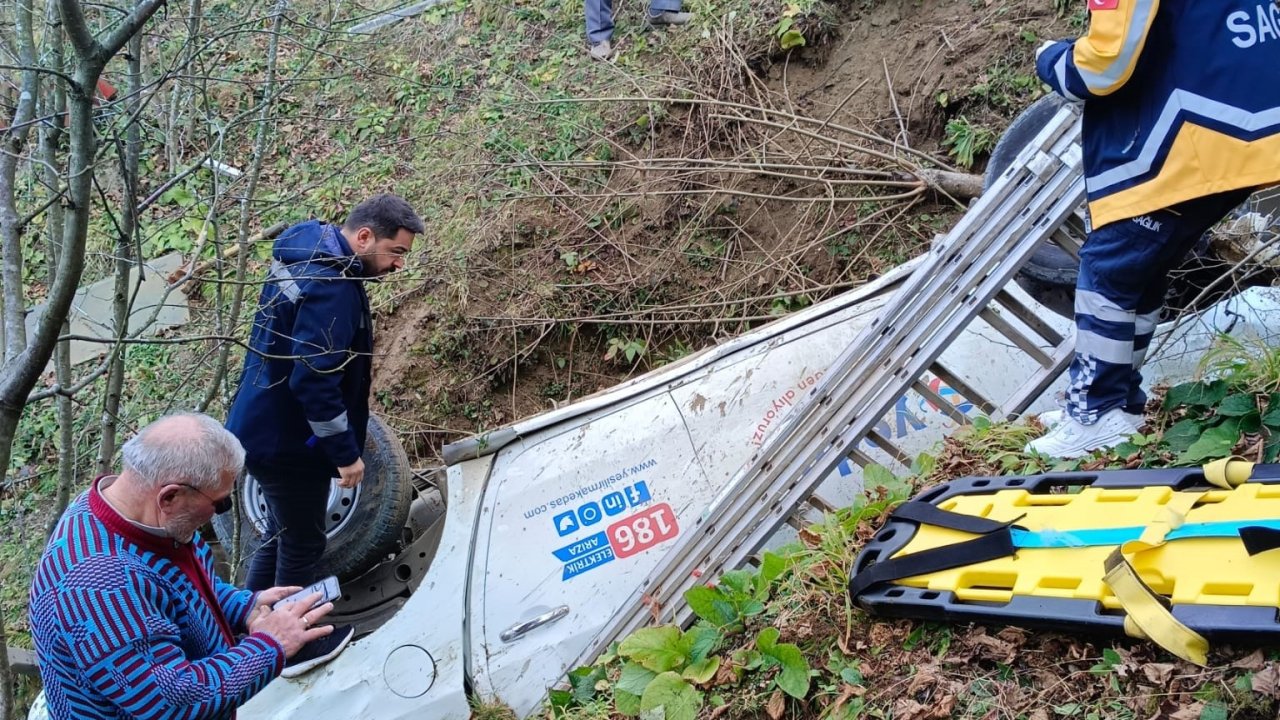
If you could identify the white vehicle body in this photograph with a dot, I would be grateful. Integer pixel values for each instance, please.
(553, 522)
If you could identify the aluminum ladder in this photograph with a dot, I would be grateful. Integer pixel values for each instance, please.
(964, 278)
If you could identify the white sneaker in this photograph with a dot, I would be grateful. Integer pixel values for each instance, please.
(1051, 419)
(1071, 439)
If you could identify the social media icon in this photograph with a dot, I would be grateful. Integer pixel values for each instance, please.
(589, 514)
(565, 523)
(638, 493)
(613, 503)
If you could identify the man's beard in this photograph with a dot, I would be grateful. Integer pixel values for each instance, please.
(182, 528)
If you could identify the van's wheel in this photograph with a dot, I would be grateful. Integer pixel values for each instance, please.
(364, 525)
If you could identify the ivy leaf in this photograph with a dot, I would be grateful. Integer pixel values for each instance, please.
(794, 678)
(1126, 448)
(701, 641)
(1184, 432)
(1251, 422)
(657, 648)
(738, 581)
(582, 682)
(1272, 418)
(923, 465)
(626, 703)
(1214, 443)
(1196, 394)
(710, 604)
(1238, 405)
(634, 679)
(678, 699)
(1272, 450)
(874, 476)
(701, 671)
(772, 566)
(560, 699)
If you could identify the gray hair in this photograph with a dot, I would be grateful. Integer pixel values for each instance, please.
(188, 448)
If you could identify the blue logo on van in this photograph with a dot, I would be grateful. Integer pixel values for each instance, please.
(566, 523)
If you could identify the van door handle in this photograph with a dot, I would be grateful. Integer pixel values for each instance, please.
(517, 631)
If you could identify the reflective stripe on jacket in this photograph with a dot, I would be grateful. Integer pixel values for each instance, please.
(1181, 100)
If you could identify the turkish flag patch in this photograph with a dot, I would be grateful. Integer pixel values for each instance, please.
(1104, 4)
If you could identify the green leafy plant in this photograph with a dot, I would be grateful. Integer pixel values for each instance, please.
(660, 669)
(620, 347)
(793, 669)
(965, 141)
(739, 595)
(1213, 418)
(789, 36)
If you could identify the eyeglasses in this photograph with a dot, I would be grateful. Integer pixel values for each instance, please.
(219, 506)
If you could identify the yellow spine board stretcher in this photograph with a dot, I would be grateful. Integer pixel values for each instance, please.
(1180, 556)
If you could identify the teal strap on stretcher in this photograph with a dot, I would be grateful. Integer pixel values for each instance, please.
(1095, 537)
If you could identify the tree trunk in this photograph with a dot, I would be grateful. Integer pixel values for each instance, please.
(14, 304)
(8, 711)
(246, 206)
(125, 242)
(13, 310)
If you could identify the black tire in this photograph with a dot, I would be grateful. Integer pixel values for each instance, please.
(1049, 267)
(365, 526)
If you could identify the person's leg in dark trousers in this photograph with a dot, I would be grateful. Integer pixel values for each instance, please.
(295, 541)
(599, 20)
(661, 6)
(1123, 277)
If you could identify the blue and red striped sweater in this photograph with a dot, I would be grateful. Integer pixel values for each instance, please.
(132, 625)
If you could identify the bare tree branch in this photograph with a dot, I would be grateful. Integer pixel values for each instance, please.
(15, 336)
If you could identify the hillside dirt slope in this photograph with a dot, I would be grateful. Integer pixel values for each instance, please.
(610, 266)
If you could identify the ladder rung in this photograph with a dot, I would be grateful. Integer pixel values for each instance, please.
(1028, 318)
(861, 459)
(820, 504)
(962, 388)
(944, 406)
(1039, 382)
(893, 451)
(1006, 328)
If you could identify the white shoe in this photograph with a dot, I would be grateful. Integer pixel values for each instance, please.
(1051, 419)
(1071, 439)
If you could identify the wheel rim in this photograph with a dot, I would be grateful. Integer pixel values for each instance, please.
(339, 508)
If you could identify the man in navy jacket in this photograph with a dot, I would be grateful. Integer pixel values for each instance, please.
(1181, 123)
(303, 404)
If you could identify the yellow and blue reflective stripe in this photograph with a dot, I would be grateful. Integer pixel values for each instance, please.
(1106, 56)
(1181, 107)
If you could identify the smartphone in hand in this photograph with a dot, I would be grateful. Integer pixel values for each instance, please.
(328, 589)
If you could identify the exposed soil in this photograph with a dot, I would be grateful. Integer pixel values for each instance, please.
(553, 282)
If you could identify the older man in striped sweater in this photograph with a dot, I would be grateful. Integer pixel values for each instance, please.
(128, 617)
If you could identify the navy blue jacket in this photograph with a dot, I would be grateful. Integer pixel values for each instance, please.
(1181, 100)
(304, 394)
